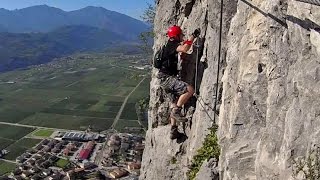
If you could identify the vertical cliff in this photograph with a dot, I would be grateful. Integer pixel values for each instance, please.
(268, 109)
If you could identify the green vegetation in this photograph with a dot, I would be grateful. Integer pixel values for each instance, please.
(129, 112)
(210, 149)
(27, 142)
(309, 165)
(148, 16)
(142, 92)
(43, 133)
(21, 50)
(122, 124)
(13, 132)
(66, 121)
(13, 115)
(20, 147)
(72, 93)
(6, 167)
(62, 163)
(5, 143)
(174, 160)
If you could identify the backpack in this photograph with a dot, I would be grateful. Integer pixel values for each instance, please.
(158, 58)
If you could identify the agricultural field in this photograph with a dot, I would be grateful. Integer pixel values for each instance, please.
(72, 93)
(19, 147)
(6, 167)
(43, 133)
(12, 139)
(13, 133)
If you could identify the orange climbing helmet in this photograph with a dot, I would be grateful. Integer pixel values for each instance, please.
(174, 31)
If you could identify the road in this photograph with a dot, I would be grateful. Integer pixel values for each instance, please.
(124, 104)
(31, 126)
(8, 161)
(129, 69)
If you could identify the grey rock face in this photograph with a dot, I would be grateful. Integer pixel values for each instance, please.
(269, 89)
(163, 158)
(272, 56)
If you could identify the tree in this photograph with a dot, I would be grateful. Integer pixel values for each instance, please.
(147, 37)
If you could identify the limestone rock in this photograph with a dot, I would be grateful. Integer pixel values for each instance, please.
(269, 89)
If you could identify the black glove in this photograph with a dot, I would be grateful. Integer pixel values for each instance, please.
(196, 33)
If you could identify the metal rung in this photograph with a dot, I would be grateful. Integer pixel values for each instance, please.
(315, 2)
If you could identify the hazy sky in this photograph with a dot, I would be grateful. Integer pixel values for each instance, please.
(133, 8)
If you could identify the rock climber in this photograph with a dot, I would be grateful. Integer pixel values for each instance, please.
(168, 72)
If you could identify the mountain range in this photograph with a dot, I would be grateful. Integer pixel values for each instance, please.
(39, 34)
(43, 18)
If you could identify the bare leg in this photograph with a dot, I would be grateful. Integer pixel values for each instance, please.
(186, 96)
(172, 120)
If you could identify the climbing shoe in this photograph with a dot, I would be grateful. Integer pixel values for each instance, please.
(176, 114)
(174, 133)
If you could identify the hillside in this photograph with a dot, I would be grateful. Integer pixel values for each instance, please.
(45, 19)
(20, 50)
(266, 119)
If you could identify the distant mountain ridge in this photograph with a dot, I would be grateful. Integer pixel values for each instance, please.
(44, 18)
(19, 50)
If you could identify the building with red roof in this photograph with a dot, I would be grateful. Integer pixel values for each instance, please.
(86, 151)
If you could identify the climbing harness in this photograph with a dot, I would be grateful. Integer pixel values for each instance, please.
(314, 2)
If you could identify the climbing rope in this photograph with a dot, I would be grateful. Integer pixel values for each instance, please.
(196, 74)
(198, 97)
(219, 59)
(314, 2)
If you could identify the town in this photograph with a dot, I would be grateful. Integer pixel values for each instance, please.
(72, 154)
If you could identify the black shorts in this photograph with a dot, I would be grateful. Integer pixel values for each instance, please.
(173, 85)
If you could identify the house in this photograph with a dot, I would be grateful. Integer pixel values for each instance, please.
(46, 149)
(44, 142)
(66, 152)
(26, 174)
(36, 177)
(20, 159)
(55, 150)
(35, 170)
(118, 173)
(134, 166)
(31, 162)
(17, 172)
(56, 176)
(87, 165)
(86, 151)
(17, 178)
(47, 172)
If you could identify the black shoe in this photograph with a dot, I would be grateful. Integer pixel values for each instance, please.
(176, 114)
(175, 134)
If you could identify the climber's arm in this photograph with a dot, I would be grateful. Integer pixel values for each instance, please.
(186, 45)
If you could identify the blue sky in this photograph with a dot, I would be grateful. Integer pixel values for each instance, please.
(133, 8)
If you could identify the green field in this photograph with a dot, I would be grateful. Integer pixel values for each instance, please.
(71, 94)
(19, 147)
(62, 163)
(5, 142)
(122, 124)
(141, 92)
(66, 121)
(6, 167)
(13, 132)
(43, 133)
(27, 142)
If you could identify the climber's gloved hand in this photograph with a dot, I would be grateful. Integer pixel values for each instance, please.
(196, 33)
